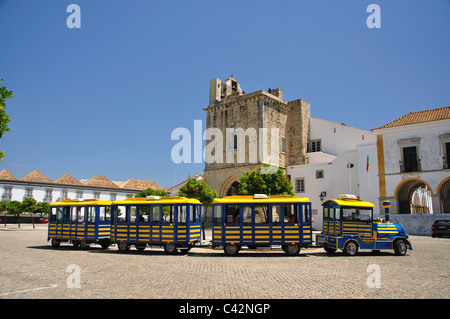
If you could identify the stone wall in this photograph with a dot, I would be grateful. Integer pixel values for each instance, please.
(417, 224)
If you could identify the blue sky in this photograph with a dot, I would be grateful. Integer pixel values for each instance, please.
(105, 98)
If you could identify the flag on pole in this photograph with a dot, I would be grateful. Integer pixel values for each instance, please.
(367, 166)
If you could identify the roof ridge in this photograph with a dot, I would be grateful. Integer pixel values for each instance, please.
(417, 117)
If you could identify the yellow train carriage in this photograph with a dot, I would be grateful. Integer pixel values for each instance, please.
(171, 222)
(81, 222)
(261, 220)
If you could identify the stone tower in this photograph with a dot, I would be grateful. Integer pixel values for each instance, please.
(247, 130)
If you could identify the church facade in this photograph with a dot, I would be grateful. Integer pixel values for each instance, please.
(250, 130)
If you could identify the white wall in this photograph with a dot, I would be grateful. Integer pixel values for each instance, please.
(39, 191)
(430, 151)
(338, 142)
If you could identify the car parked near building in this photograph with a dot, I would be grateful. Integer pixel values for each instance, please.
(440, 228)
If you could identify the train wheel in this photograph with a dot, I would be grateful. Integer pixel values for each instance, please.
(351, 248)
(231, 250)
(55, 243)
(84, 244)
(292, 250)
(123, 246)
(170, 248)
(400, 247)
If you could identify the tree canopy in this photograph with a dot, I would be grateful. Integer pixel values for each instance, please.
(267, 180)
(4, 118)
(152, 192)
(198, 190)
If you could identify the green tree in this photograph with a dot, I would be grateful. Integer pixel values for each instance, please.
(202, 192)
(42, 208)
(4, 208)
(29, 206)
(152, 192)
(265, 179)
(14, 208)
(4, 118)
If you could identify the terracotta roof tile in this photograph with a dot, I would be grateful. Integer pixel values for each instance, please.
(37, 177)
(67, 179)
(5, 174)
(442, 113)
(100, 181)
(140, 184)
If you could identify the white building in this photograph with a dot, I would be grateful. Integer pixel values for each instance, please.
(341, 160)
(42, 189)
(414, 153)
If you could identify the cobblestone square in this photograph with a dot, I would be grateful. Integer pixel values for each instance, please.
(31, 268)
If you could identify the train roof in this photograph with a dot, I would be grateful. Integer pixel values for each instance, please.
(261, 199)
(348, 200)
(157, 200)
(81, 202)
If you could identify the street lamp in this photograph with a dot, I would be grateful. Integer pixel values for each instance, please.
(322, 195)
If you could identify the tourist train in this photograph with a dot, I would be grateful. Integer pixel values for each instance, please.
(175, 223)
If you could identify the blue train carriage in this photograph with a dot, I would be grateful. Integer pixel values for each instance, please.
(171, 222)
(348, 224)
(261, 221)
(81, 222)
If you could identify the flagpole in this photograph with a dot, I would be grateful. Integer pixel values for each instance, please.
(368, 168)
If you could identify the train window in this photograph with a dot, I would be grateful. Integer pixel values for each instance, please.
(91, 214)
(182, 213)
(195, 213)
(81, 214)
(156, 214)
(276, 213)
(168, 211)
(121, 214)
(325, 213)
(261, 214)
(133, 214)
(217, 213)
(306, 214)
(104, 214)
(247, 213)
(75, 210)
(356, 214)
(144, 214)
(232, 214)
(66, 214)
(53, 213)
(290, 215)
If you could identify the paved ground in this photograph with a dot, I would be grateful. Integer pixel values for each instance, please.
(31, 268)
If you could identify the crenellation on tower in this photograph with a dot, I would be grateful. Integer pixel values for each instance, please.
(286, 125)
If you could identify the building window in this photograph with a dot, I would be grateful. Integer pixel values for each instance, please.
(79, 194)
(113, 197)
(445, 142)
(447, 155)
(6, 196)
(316, 146)
(409, 152)
(284, 145)
(410, 159)
(48, 195)
(319, 174)
(300, 185)
(28, 193)
(97, 195)
(64, 194)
